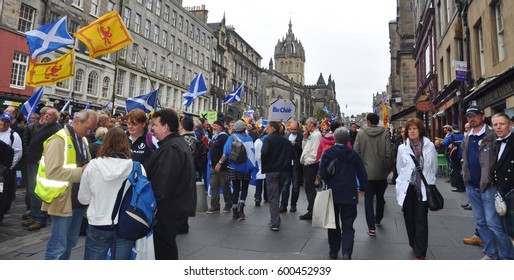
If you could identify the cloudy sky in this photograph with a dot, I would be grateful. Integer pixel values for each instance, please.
(347, 39)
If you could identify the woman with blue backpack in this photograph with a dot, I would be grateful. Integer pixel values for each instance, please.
(99, 186)
(239, 152)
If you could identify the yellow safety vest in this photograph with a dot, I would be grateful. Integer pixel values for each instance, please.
(48, 189)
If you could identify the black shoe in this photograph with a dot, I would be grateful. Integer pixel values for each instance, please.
(257, 204)
(458, 190)
(464, 205)
(306, 216)
(333, 256)
(467, 207)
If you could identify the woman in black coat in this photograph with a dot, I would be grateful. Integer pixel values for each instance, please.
(345, 191)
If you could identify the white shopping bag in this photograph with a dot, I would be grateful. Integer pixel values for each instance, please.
(323, 215)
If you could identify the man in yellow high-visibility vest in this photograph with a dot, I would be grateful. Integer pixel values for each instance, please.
(65, 155)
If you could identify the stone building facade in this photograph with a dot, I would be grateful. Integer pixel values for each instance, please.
(402, 82)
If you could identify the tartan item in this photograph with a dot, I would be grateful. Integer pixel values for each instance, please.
(236, 175)
(508, 219)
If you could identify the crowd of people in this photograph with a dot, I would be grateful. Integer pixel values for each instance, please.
(73, 169)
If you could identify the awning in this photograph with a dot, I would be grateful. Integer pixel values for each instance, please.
(403, 113)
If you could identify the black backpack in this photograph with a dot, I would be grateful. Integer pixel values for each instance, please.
(200, 158)
(237, 152)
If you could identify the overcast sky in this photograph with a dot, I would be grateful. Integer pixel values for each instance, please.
(347, 39)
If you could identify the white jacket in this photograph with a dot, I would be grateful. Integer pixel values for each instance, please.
(405, 166)
(99, 187)
(258, 147)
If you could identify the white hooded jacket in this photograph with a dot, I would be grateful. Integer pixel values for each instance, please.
(99, 187)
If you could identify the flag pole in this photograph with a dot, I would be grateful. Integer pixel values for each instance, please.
(115, 85)
(149, 78)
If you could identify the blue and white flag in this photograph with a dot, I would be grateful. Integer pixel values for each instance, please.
(145, 102)
(332, 118)
(325, 109)
(30, 105)
(249, 109)
(109, 106)
(48, 37)
(88, 106)
(235, 95)
(65, 106)
(196, 89)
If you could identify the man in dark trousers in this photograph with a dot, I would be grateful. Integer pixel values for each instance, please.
(171, 171)
(276, 156)
(218, 178)
(295, 137)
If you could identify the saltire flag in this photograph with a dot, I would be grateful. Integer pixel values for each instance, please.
(325, 109)
(332, 118)
(385, 116)
(144, 102)
(48, 37)
(48, 73)
(65, 106)
(30, 106)
(196, 89)
(88, 106)
(235, 95)
(105, 35)
(109, 106)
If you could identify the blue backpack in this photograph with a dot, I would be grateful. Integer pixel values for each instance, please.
(135, 207)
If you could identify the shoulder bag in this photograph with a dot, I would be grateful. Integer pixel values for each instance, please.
(434, 197)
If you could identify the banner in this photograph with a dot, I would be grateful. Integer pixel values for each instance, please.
(281, 110)
(212, 116)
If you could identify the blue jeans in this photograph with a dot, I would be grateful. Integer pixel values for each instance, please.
(64, 235)
(292, 178)
(35, 202)
(99, 241)
(489, 223)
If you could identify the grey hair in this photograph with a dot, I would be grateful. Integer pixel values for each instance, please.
(84, 115)
(342, 135)
(312, 120)
(44, 110)
(57, 113)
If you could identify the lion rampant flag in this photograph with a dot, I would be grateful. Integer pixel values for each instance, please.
(105, 35)
(385, 116)
(48, 73)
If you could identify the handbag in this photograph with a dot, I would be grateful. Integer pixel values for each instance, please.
(434, 197)
(323, 215)
(499, 204)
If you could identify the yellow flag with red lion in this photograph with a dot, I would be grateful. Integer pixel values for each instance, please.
(49, 73)
(105, 35)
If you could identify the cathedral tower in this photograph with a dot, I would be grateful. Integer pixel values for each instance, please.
(290, 57)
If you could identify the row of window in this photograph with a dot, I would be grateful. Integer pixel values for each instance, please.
(169, 42)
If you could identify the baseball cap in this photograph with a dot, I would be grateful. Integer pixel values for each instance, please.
(6, 116)
(474, 110)
(449, 127)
